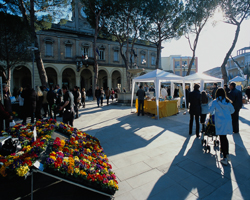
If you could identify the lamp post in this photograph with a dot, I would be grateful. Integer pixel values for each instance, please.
(184, 66)
(32, 48)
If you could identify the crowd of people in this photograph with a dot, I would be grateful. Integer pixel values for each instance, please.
(225, 106)
(41, 102)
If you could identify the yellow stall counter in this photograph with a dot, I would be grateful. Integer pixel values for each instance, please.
(166, 108)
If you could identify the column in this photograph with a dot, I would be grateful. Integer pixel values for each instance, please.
(78, 79)
(110, 81)
(59, 80)
(58, 48)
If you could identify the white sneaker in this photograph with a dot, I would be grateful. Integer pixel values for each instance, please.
(224, 161)
(228, 157)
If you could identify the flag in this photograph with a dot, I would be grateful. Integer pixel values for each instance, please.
(97, 52)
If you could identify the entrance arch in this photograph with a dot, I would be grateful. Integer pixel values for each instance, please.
(21, 77)
(103, 79)
(69, 78)
(116, 79)
(52, 75)
(86, 81)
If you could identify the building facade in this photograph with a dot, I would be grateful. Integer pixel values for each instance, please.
(179, 64)
(243, 59)
(67, 53)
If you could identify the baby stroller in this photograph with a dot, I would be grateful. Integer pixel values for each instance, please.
(209, 136)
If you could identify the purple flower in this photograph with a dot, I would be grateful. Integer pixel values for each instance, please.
(49, 161)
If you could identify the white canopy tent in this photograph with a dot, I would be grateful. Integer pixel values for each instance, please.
(237, 79)
(202, 79)
(158, 76)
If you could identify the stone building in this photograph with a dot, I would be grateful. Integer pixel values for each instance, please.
(67, 53)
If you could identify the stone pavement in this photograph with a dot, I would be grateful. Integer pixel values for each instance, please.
(157, 159)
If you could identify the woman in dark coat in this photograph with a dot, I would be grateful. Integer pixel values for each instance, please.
(187, 95)
(195, 109)
(30, 99)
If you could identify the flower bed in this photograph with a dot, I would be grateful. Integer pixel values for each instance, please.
(19, 163)
(80, 158)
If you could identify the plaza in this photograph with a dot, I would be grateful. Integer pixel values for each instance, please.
(157, 159)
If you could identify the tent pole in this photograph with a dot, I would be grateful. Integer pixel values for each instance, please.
(132, 95)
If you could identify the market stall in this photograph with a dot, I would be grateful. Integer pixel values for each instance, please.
(157, 77)
(202, 79)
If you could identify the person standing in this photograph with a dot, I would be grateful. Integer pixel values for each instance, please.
(187, 95)
(39, 102)
(223, 122)
(4, 115)
(248, 93)
(227, 90)
(181, 95)
(97, 95)
(107, 93)
(51, 97)
(45, 102)
(58, 93)
(204, 109)
(141, 94)
(195, 109)
(30, 100)
(7, 104)
(68, 104)
(164, 93)
(112, 94)
(215, 88)
(236, 97)
(76, 97)
(21, 101)
(102, 96)
(83, 97)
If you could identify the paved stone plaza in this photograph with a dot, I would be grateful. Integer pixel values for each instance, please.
(157, 159)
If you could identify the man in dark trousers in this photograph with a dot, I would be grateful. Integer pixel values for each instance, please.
(76, 96)
(236, 97)
(195, 109)
(68, 99)
(215, 88)
(51, 97)
(141, 94)
(97, 95)
(107, 93)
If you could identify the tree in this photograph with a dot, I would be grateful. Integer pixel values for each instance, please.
(38, 15)
(14, 41)
(96, 10)
(197, 13)
(126, 25)
(235, 12)
(167, 22)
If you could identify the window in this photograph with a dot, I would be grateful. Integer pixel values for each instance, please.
(116, 55)
(68, 51)
(153, 60)
(86, 51)
(142, 59)
(101, 54)
(48, 50)
(177, 73)
(177, 64)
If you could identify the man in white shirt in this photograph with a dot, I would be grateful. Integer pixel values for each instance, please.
(164, 92)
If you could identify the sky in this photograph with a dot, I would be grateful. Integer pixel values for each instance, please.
(213, 44)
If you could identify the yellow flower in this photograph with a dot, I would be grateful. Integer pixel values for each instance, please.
(77, 170)
(90, 158)
(76, 158)
(111, 183)
(53, 157)
(83, 173)
(22, 170)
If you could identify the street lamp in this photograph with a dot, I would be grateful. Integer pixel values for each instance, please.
(184, 66)
(32, 48)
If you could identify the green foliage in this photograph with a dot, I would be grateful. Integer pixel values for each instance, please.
(14, 40)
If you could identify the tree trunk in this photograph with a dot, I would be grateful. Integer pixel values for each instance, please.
(223, 66)
(158, 54)
(8, 77)
(39, 61)
(191, 63)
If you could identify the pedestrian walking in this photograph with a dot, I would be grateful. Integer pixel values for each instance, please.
(68, 106)
(227, 90)
(195, 109)
(187, 95)
(141, 94)
(102, 96)
(97, 95)
(215, 88)
(223, 122)
(181, 95)
(112, 94)
(83, 94)
(107, 93)
(236, 97)
(21, 102)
